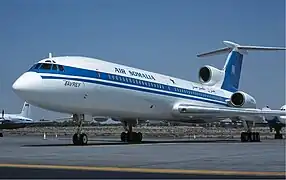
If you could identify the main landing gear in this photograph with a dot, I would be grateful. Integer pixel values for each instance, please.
(1, 134)
(79, 138)
(129, 135)
(249, 136)
(278, 134)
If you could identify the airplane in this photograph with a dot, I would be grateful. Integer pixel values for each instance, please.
(21, 120)
(15, 121)
(276, 122)
(88, 86)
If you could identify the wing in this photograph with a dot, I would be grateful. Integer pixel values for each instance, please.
(251, 114)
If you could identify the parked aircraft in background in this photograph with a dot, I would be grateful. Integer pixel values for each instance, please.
(14, 121)
(21, 120)
(87, 86)
(276, 123)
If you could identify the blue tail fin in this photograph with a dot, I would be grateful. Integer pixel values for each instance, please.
(232, 70)
(233, 64)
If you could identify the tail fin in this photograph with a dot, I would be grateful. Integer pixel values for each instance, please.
(25, 110)
(233, 64)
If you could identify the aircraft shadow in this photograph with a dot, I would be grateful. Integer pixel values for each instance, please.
(113, 142)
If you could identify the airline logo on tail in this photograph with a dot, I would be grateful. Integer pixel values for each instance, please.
(233, 69)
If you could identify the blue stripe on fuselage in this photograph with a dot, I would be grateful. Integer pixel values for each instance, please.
(123, 80)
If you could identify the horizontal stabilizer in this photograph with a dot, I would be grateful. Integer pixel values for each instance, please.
(231, 46)
(217, 52)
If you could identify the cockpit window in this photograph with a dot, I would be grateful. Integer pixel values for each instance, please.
(54, 67)
(37, 66)
(46, 66)
(61, 68)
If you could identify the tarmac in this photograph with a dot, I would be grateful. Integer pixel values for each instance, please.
(35, 157)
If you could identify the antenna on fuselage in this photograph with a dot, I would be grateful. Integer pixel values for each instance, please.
(50, 55)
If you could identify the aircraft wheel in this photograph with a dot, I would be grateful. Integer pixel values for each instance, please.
(136, 137)
(278, 136)
(244, 137)
(250, 137)
(257, 135)
(75, 139)
(123, 137)
(139, 136)
(1, 134)
(80, 140)
(83, 139)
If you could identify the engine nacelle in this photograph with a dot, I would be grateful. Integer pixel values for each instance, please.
(242, 100)
(209, 75)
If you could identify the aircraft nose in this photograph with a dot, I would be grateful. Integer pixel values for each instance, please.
(29, 82)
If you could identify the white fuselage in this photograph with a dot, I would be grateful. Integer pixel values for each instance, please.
(101, 88)
(14, 118)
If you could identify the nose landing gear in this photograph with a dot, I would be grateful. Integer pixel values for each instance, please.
(79, 138)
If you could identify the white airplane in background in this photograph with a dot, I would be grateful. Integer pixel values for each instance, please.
(14, 121)
(276, 122)
(21, 120)
(81, 85)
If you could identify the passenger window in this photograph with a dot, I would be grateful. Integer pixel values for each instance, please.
(54, 67)
(46, 66)
(61, 68)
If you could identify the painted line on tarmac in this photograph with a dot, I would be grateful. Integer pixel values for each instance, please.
(144, 170)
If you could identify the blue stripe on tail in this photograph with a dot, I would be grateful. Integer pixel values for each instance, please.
(232, 71)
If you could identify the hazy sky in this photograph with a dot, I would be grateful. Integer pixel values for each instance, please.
(156, 35)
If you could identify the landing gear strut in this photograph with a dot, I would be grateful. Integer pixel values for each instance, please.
(278, 135)
(249, 136)
(79, 138)
(129, 135)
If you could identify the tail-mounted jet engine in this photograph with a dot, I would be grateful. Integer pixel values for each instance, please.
(209, 75)
(242, 100)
